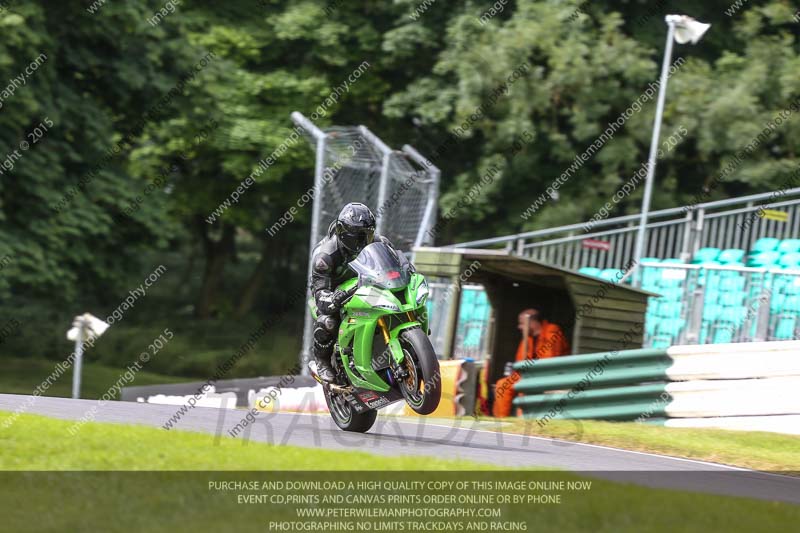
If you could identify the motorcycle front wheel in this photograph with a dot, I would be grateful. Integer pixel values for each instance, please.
(422, 387)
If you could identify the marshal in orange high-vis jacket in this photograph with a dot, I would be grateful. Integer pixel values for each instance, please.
(540, 340)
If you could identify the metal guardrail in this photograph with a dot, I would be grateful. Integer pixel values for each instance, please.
(672, 233)
(601, 385)
(746, 386)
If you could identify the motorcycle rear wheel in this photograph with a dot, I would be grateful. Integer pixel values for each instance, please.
(345, 416)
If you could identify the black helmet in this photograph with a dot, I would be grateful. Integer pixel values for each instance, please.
(355, 227)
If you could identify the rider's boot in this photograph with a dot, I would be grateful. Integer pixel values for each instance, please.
(322, 355)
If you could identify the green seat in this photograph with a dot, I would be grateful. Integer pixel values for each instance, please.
(789, 260)
(711, 296)
(670, 326)
(765, 244)
(785, 328)
(791, 286)
(732, 284)
(731, 299)
(722, 335)
(706, 255)
(789, 246)
(791, 306)
(590, 271)
(730, 256)
(711, 311)
(649, 283)
(670, 309)
(776, 303)
(763, 259)
(650, 325)
(732, 315)
(610, 274)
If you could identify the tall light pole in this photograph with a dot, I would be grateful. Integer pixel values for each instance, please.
(683, 29)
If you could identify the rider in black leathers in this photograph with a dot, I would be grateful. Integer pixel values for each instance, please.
(352, 230)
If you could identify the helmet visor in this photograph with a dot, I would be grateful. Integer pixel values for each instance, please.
(356, 240)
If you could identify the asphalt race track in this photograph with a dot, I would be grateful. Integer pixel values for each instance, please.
(443, 439)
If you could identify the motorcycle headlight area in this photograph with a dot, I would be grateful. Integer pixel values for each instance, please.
(422, 292)
(377, 298)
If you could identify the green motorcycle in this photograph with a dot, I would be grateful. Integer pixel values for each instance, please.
(382, 354)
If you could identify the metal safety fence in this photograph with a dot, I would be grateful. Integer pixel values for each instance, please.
(713, 304)
(352, 164)
(671, 233)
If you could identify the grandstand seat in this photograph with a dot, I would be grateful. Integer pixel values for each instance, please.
(789, 246)
(765, 244)
(590, 271)
(610, 274)
(763, 259)
(711, 296)
(734, 315)
(672, 294)
(785, 328)
(710, 278)
(731, 299)
(730, 256)
(650, 326)
(790, 260)
(776, 303)
(791, 305)
(670, 309)
(706, 255)
(670, 326)
(711, 311)
(791, 285)
(722, 334)
(732, 284)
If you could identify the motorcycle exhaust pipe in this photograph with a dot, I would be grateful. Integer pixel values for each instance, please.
(339, 389)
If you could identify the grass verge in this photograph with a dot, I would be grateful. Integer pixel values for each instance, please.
(23, 375)
(758, 450)
(169, 500)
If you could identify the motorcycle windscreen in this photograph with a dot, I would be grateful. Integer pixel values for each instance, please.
(378, 265)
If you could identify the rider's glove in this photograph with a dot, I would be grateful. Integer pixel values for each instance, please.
(338, 298)
(330, 302)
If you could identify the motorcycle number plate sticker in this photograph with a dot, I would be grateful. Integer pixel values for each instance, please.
(368, 396)
(358, 406)
(378, 403)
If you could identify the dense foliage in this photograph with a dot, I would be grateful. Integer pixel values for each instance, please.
(141, 121)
